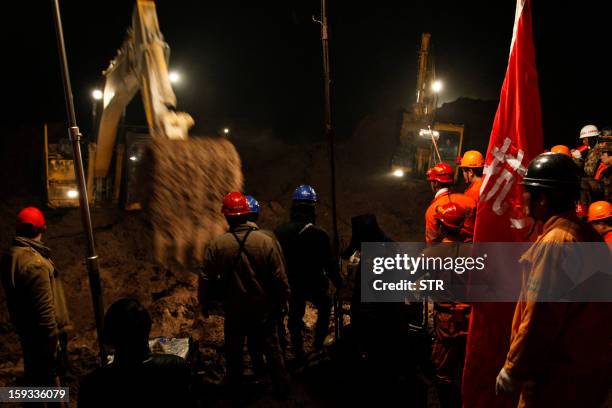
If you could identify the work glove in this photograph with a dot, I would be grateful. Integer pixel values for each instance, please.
(505, 384)
(576, 154)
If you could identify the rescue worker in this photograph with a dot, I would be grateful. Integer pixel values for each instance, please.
(552, 360)
(600, 217)
(472, 164)
(311, 265)
(451, 319)
(588, 137)
(441, 178)
(253, 217)
(247, 267)
(587, 157)
(136, 377)
(603, 175)
(36, 300)
(561, 149)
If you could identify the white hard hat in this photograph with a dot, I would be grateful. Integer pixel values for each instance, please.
(589, 131)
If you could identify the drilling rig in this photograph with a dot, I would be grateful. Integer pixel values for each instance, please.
(422, 141)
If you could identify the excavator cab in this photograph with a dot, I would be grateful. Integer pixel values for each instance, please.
(60, 180)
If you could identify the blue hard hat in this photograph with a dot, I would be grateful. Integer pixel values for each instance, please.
(253, 204)
(305, 193)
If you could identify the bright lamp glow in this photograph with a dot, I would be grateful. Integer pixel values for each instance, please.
(97, 94)
(398, 173)
(226, 130)
(133, 158)
(426, 133)
(436, 86)
(72, 194)
(174, 77)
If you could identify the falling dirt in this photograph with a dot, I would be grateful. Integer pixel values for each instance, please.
(186, 181)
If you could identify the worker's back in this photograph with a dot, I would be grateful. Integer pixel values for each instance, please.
(249, 268)
(432, 233)
(308, 254)
(159, 381)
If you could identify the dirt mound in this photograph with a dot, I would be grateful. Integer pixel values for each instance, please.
(186, 182)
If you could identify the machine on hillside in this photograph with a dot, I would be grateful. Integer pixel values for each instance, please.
(421, 138)
(179, 180)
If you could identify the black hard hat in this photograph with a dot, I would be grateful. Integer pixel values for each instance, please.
(550, 170)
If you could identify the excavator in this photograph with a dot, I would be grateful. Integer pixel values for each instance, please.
(178, 180)
(422, 141)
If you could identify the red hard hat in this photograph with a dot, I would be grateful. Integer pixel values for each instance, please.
(451, 215)
(32, 216)
(441, 172)
(235, 204)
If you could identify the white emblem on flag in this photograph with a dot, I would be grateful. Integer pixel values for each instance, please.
(506, 176)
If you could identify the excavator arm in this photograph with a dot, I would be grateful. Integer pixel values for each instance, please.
(141, 64)
(182, 180)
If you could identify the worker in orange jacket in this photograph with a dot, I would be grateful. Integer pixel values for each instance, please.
(472, 164)
(451, 319)
(560, 353)
(600, 217)
(441, 178)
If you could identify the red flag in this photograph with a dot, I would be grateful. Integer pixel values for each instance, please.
(516, 138)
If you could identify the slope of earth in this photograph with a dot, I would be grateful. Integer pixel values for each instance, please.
(272, 171)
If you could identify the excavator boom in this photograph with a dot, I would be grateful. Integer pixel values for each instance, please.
(183, 179)
(141, 64)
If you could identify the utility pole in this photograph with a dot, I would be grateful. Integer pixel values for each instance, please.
(329, 131)
(93, 267)
(329, 134)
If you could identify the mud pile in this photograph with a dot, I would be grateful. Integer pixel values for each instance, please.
(186, 181)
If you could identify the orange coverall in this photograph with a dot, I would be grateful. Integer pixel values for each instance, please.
(561, 353)
(432, 233)
(473, 190)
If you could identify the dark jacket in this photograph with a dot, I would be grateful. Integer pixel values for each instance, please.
(159, 381)
(34, 291)
(311, 263)
(251, 281)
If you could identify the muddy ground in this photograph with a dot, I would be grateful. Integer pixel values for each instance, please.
(272, 170)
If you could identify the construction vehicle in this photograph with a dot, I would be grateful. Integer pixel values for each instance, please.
(422, 141)
(179, 180)
(60, 181)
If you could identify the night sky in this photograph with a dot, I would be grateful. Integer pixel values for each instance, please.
(258, 64)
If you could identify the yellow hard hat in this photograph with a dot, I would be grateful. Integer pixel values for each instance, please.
(599, 210)
(472, 158)
(561, 149)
